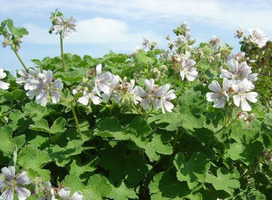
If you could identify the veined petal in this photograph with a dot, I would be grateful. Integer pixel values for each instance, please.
(220, 103)
(190, 77)
(170, 95)
(251, 96)
(211, 96)
(157, 104)
(190, 63)
(244, 105)
(64, 193)
(95, 99)
(168, 106)
(22, 193)
(139, 91)
(214, 86)
(23, 179)
(161, 91)
(236, 100)
(84, 100)
(55, 96)
(145, 103)
(9, 172)
(77, 196)
(57, 84)
(226, 74)
(3, 183)
(149, 84)
(7, 194)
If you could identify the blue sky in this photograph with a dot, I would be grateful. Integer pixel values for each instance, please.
(105, 25)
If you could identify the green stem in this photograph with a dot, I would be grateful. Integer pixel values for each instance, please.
(62, 55)
(136, 109)
(17, 55)
(75, 117)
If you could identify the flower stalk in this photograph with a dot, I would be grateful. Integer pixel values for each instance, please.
(22, 63)
(61, 52)
(76, 119)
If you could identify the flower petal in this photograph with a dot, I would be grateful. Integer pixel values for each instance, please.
(23, 179)
(214, 86)
(7, 194)
(22, 193)
(9, 172)
(64, 193)
(77, 196)
(245, 106)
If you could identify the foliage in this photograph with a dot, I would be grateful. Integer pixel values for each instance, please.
(120, 150)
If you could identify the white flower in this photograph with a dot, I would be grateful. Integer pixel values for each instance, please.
(48, 192)
(47, 88)
(10, 182)
(242, 95)
(219, 95)
(102, 81)
(64, 26)
(3, 85)
(85, 99)
(166, 97)
(187, 70)
(65, 192)
(238, 71)
(258, 37)
(150, 95)
(114, 85)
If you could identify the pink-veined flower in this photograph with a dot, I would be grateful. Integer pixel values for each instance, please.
(219, 95)
(242, 94)
(10, 182)
(187, 70)
(258, 37)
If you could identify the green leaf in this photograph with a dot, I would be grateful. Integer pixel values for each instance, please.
(35, 111)
(160, 144)
(97, 188)
(194, 171)
(18, 32)
(15, 95)
(77, 168)
(74, 183)
(40, 126)
(62, 155)
(108, 127)
(7, 142)
(58, 126)
(132, 167)
(141, 57)
(168, 121)
(122, 192)
(225, 180)
(163, 187)
(32, 158)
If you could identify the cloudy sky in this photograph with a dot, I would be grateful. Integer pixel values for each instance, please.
(120, 25)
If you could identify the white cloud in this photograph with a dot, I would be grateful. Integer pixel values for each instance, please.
(227, 14)
(105, 31)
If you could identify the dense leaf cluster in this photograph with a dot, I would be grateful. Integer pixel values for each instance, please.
(189, 153)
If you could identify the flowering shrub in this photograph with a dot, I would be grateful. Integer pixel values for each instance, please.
(186, 122)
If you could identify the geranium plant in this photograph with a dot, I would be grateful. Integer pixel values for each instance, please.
(186, 122)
